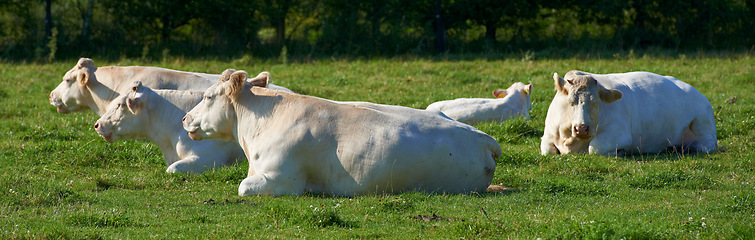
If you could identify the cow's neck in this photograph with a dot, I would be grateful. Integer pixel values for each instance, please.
(102, 95)
(257, 113)
(164, 126)
(103, 89)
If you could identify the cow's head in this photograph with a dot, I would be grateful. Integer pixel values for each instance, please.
(71, 95)
(517, 90)
(215, 117)
(583, 95)
(124, 118)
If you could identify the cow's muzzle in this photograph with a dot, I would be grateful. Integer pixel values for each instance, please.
(582, 131)
(100, 129)
(192, 130)
(55, 101)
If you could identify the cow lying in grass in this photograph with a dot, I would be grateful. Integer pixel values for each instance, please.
(156, 115)
(298, 144)
(88, 87)
(510, 103)
(626, 113)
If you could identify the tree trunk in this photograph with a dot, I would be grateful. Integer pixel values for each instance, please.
(167, 28)
(280, 22)
(490, 29)
(375, 24)
(48, 19)
(86, 17)
(280, 31)
(440, 34)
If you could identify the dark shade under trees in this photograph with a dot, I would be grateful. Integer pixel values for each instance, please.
(202, 28)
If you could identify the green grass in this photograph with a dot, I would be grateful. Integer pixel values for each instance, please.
(58, 179)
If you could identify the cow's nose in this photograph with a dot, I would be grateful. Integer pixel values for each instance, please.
(96, 126)
(183, 119)
(581, 130)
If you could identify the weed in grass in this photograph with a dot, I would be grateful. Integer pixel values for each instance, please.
(103, 184)
(396, 204)
(321, 217)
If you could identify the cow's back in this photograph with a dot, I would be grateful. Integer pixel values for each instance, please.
(359, 148)
(475, 110)
(162, 78)
(657, 108)
(405, 152)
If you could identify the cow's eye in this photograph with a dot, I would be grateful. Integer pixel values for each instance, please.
(208, 97)
(572, 101)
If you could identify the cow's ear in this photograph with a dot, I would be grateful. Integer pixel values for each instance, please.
(528, 89)
(226, 75)
(237, 81)
(261, 80)
(500, 93)
(134, 104)
(86, 70)
(83, 77)
(136, 86)
(610, 95)
(559, 84)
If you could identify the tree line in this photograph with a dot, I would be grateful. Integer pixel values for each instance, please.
(49, 29)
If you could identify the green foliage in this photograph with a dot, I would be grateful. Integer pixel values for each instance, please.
(52, 45)
(59, 179)
(320, 29)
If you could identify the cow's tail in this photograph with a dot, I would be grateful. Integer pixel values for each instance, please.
(494, 148)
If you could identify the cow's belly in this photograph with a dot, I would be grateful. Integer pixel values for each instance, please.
(402, 161)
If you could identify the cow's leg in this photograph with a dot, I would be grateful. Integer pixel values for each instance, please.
(610, 144)
(548, 148)
(193, 164)
(274, 184)
(704, 130)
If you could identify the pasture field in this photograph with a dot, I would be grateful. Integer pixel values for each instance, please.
(59, 179)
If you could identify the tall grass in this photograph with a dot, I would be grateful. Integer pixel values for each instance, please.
(58, 179)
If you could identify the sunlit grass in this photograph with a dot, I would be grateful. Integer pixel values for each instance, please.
(59, 179)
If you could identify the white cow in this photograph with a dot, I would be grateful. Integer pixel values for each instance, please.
(626, 113)
(88, 87)
(298, 144)
(156, 116)
(510, 103)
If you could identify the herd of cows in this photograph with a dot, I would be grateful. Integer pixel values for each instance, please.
(296, 143)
